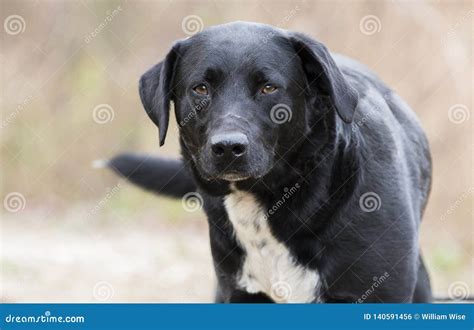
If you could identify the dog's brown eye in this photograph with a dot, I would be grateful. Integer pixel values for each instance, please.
(268, 89)
(201, 89)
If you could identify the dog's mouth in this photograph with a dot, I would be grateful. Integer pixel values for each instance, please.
(230, 176)
(234, 172)
(234, 176)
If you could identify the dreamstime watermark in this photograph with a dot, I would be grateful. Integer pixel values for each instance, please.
(200, 105)
(14, 25)
(103, 113)
(458, 290)
(280, 291)
(192, 24)
(100, 205)
(288, 193)
(465, 195)
(103, 291)
(281, 113)
(377, 281)
(358, 123)
(370, 24)
(44, 318)
(12, 116)
(282, 24)
(14, 202)
(465, 18)
(110, 15)
(459, 113)
(192, 201)
(367, 113)
(370, 202)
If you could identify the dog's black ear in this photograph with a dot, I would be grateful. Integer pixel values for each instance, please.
(156, 91)
(323, 73)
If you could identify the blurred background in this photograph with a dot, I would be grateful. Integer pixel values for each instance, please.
(69, 96)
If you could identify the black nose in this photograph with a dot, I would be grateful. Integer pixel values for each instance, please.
(229, 146)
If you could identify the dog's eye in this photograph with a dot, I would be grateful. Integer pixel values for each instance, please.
(268, 89)
(201, 89)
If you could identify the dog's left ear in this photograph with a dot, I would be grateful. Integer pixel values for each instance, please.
(156, 91)
(323, 73)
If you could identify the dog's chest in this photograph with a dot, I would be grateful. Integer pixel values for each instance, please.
(268, 266)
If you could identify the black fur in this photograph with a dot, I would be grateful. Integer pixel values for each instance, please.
(168, 177)
(349, 135)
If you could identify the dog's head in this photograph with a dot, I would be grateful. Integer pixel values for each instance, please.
(242, 94)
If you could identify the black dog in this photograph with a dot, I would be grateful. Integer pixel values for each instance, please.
(314, 174)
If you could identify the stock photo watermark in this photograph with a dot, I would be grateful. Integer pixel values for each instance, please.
(459, 290)
(200, 104)
(370, 202)
(465, 195)
(192, 201)
(103, 201)
(14, 25)
(466, 17)
(280, 291)
(14, 202)
(459, 113)
(103, 114)
(47, 317)
(10, 118)
(103, 291)
(377, 281)
(288, 193)
(192, 24)
(367, 114)
(370, 25)
(283, 23)
(281, 113)
(110, 15)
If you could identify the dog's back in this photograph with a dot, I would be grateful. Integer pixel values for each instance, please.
(392, 130)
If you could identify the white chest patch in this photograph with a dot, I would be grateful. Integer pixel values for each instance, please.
(268, 267)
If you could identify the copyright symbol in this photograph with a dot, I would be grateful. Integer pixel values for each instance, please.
(417, 316)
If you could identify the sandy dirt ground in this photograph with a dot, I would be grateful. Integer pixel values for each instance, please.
(75, 259)
(64, 261)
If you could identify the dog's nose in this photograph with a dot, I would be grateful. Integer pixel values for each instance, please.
(229, 146)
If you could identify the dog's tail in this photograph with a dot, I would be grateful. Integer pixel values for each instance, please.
(163, 176)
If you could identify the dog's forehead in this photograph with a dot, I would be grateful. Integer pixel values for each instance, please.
(241, 32)
(236, 43)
